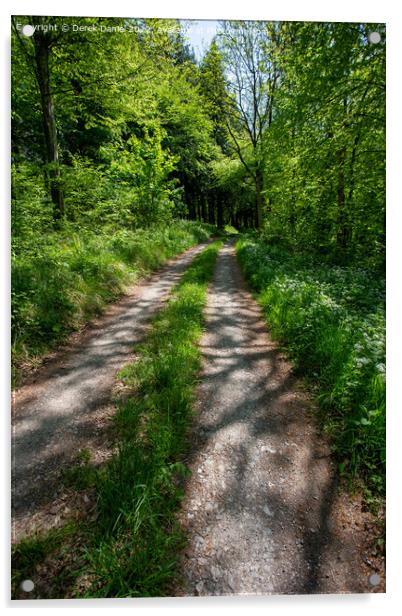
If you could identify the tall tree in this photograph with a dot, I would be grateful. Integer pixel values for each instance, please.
(43, 40)
(213, 87)
(252, 78)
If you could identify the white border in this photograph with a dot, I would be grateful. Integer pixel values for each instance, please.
(343, 10)
(292, 10)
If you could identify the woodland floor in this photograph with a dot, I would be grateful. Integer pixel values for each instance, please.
(262, 511)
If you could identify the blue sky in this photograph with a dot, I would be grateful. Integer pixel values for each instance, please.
(200, 34)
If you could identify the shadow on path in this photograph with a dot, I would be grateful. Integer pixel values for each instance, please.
(65, 407)
(259, 505)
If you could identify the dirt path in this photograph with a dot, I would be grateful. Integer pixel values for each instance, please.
(262, 511)
(67, 404)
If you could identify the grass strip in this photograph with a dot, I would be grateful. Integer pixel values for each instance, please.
(131, 549)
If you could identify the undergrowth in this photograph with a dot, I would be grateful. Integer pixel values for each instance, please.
(66, 278)
(331, 321)
(131, 548)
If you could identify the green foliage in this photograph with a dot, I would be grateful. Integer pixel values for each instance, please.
(235, 190)
(332, 322)
(134, 137)
(68, 277)
(31, 210)
(135, 147)
(282, 125)
(214, 89)
(324, 169)
(140, 169)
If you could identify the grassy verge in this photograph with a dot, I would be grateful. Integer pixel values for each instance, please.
(131, 548)
(70, 277)
(331, 321)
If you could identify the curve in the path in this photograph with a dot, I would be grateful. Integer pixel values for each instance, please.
(57, 415)
(259, 506)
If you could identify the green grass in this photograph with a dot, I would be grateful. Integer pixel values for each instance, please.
(68, 278)
(83, 474)
(38, 551)
(132, 547)
(331, 321)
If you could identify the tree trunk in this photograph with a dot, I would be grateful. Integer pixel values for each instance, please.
(42, 45)
(342, 233)
(258, 197)
(191, 205)
(204, 208)
(219, 210)
(211, 211)
(352, 164)
(237, 218)
(198, 209)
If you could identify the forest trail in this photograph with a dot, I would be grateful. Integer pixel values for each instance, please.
(261, 508)
(67, 404)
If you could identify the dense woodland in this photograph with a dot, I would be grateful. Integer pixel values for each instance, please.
(280, 126)
(127, 149)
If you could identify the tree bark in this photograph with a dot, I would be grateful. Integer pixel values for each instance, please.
(219, 211)
(258, 197)
(342, 234)
(42, 47)
(204, 208)
(211, 211)
(198, 209)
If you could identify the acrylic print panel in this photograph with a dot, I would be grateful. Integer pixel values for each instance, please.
(198, 323)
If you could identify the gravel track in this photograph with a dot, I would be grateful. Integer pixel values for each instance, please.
(262, 510)
(67, 403)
